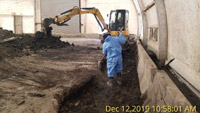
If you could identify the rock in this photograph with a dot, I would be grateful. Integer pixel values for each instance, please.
(77, 103)
(20, 102)
(36, 94)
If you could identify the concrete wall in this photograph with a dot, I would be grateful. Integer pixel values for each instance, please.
(51, 8)
(24, 8)
(163, 92)
(146, 69)
(89, 23)
(156, 87)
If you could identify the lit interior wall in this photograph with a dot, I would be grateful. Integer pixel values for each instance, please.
(24, 8)
(184, 38)
(51, 8)
(182, 35)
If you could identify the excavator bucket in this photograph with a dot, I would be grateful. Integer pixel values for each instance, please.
(46, 23)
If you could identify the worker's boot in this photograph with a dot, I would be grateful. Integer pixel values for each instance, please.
(119, 79)
(110, 82)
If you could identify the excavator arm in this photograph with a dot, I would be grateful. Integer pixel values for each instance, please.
(61, 19)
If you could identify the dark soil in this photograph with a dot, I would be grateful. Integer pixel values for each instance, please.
(6, 34)
(92, 97)
(95, 97)
(27, 44)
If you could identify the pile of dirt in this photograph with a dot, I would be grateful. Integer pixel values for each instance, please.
(42, 41)
(27, 44)
(6, 34)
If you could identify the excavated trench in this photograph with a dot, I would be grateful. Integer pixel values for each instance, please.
(96, 97)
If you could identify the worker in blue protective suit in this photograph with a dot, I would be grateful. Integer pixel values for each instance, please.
(112, 49)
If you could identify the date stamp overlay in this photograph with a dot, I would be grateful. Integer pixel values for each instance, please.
(156, 108)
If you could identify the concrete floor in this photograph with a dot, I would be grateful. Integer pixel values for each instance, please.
(83, 41)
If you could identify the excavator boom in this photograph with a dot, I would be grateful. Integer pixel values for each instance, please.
(60, 20)
(119, 19)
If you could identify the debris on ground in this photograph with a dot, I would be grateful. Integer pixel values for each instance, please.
(26, 44)
(51, 76)
(6, 34)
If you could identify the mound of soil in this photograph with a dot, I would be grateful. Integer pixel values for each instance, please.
(27, 44)
(6, 34)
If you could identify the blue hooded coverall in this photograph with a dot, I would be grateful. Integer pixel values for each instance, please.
(112, 49)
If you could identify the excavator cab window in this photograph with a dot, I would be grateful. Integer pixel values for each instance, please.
(118, 19)
(112, 23)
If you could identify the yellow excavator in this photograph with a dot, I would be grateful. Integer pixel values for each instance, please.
(118, 20)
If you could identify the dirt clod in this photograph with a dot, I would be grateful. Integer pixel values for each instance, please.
(36, 94)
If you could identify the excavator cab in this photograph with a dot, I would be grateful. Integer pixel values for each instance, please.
(118, 19)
